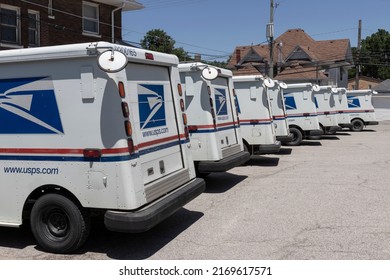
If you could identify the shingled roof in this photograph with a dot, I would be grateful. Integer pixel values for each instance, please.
(292, 46)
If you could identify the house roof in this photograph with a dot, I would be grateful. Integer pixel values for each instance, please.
(296, 45)
(301, 73)
(383, 87)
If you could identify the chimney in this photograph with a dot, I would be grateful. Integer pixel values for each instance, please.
(238, 55)
(197, 57)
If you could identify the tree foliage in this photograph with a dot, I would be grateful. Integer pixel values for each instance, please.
(374, 56)
(158, 40)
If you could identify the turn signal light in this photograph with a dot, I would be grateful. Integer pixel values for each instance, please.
(185, 119)
(179, 89)
(121, 88)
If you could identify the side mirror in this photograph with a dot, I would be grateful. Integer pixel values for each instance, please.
(283, 85)
(316, 88)
(112, 61)
(210, 73)
(269, 82)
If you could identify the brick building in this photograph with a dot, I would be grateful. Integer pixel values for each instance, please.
(33, 23)
(364, 83)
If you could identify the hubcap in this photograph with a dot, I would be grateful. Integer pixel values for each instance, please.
(57, 223)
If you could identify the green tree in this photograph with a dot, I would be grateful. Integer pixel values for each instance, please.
(375, 55)
(158, 40)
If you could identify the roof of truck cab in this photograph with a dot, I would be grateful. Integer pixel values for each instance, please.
(197, 66)
(248, 78)
(81, 50)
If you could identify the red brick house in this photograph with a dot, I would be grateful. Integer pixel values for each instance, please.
(298, 58)
(33, 23)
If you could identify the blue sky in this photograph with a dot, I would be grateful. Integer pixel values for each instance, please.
(216, 27)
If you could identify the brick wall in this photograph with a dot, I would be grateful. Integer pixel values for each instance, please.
(65, 26)
(364, 83)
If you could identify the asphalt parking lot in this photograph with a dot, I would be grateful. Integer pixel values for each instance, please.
(327, 199)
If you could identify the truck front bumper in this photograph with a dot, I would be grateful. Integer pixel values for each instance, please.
(223, 164)
(145, 218)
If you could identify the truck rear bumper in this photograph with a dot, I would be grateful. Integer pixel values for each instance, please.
(285, 138)
(333, 128)
(146, 218)
(315, 132)
(268, 149)
(345, 125)
(371, 123)
(223, 164)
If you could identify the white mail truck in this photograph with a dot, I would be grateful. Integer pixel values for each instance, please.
(257, 127)
(341, 104)
(213, 124)
(278, 111)
(92, 128)
(360, 109)
(326, 109)
(302, 115)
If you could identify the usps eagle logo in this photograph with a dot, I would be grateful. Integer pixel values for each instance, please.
(353, 102)
(220, 102)
(29, 106)
(151, 106)
(290, 103)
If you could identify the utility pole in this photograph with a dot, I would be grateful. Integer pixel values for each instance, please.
(270, 37)
(359, 46)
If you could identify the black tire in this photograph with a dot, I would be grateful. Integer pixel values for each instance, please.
(246, 148)
(297, 137)
(58, 224)
(357, 125)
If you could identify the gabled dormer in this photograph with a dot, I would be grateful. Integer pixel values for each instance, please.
(301, 53)
(251, 57)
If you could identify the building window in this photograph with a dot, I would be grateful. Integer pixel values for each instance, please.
(90, 18)
(9, 24)
(50, 9)
(33, 28)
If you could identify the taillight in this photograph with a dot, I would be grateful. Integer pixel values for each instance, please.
(182, 105)
(214, 120)
(212, 113)
(211, 102)
(121, 88)
(130, 144)
(92, 153)
(209, 90)
(149, 56)
(185, 119)
(125, 110)
(234, 93)
(192, 128)
(186, 133)
(129, 130)
(179, 89)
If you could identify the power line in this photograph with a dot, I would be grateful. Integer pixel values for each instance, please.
(167, 2)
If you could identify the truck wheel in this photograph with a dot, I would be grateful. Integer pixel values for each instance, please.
(357, 125)
(297, 137)
(59, 225)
